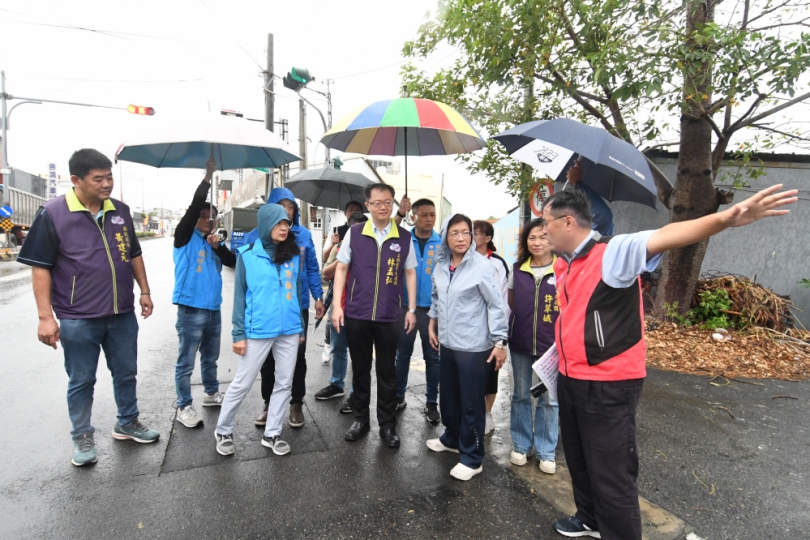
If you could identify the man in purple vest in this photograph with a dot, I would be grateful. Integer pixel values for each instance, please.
(84, 253)
(377, 256)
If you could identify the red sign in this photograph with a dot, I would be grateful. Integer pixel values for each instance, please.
(541, 191)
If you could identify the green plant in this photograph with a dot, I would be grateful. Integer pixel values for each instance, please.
(710, 311)
(671, 312)
(805, 282)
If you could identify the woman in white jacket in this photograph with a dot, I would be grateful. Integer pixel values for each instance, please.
(468, 310)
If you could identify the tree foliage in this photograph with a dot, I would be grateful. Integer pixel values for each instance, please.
(621, 64)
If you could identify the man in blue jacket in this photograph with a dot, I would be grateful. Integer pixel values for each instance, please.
(198, 260)
(310, 283)
(426, 246)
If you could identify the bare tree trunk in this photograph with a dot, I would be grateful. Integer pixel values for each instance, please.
(694, 195)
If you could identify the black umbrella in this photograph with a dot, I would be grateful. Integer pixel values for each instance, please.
(328, 187)
(615, 169)
(327, 301)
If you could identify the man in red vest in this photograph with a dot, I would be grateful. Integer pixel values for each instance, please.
(600, 340)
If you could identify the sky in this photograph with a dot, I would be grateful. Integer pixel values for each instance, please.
(188, 58)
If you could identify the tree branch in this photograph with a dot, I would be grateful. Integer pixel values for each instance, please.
(739, 125)
(587, 106)
(662, 183)
(585, 95)
(784, 133)
(768, 12)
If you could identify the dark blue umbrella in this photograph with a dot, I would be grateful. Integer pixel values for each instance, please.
(614, 168)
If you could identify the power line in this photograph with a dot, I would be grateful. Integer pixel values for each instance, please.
(369, 71)
(109, 33)
(211, 11)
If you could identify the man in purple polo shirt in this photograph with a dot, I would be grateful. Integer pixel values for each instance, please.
(377, 256)
(84, 253)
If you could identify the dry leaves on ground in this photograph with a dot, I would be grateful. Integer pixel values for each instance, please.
(756, 354)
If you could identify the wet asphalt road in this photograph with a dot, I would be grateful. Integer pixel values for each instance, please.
(754, 466)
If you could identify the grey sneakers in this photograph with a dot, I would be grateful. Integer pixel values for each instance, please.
(84, 450)
(225, 445)
(135, 431)
(279, 447)
(213, 400)
(189, 417)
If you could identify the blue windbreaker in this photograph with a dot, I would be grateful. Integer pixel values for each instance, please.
(310, 271)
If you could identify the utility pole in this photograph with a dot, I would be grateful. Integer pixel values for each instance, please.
(3, 145)
(302, 145)
(269, 105)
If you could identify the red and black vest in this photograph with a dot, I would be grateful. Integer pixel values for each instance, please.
(600, 329)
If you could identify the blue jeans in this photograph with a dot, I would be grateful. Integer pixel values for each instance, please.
(340, 356)
(546, 412)
(82, 340)
(431, 356)
(197, 330)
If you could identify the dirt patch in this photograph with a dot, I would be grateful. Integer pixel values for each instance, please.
(759, 353)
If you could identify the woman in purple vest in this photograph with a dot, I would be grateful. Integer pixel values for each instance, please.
(533, 300)
(468, 307)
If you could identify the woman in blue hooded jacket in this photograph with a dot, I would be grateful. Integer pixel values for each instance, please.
(266, 317)
(468, 307)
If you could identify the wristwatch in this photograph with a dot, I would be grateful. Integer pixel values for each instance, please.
(400, 214)
(411, 310)
(501, 344)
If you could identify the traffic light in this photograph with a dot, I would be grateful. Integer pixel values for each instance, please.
(139, 109)
(297, 78)
(301, 75)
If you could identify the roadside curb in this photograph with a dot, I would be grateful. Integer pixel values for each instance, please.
(556, 489)
(8, 255)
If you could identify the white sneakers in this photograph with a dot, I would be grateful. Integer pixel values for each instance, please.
(437, 446)
(464, 473)
(189, 417)
(518, 459)
(213, 400)
(548, 467)
(326, 355)
(490, 425)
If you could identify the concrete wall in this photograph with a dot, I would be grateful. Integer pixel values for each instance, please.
(775, 251)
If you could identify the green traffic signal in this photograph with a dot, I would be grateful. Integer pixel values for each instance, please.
(301, 75)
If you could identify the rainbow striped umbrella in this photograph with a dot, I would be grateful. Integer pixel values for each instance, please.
(404, 127)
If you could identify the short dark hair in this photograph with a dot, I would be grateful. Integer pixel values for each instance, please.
(422, 202)
(211, 206)
(356, 218)
(573, 202)
(523, 248)
(378, 185)
(458, 218)
(486, 229)
(85, 160)
(357, 204)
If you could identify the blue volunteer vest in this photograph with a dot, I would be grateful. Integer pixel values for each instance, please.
(197, 279)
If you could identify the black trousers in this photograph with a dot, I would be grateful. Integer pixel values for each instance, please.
(598, 424)
(365, 339)
(299, 385)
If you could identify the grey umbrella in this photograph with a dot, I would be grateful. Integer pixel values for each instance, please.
(615, 169)
(328, 187)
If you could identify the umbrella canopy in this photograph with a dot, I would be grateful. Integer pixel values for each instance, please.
(432, 128)
(328, 187)
(233, 142)
(614, 168)
(404, 127)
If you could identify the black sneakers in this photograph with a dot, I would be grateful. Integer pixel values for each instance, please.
(346, 408)
(330, 392)
(432, 413)
(574, 528)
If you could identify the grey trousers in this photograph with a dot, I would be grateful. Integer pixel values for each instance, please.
(285, 351)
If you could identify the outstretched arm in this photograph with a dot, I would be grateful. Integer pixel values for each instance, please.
(766, 203)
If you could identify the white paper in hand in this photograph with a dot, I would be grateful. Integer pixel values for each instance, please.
(547, 368)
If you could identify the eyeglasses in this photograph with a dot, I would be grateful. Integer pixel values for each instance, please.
(377, 204)
(556, 218)
(456, 234)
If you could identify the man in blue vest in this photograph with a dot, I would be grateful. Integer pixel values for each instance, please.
(85, 254)
(426, 245)
(198, 260)
(310, 283)
(379, 257)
